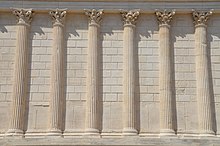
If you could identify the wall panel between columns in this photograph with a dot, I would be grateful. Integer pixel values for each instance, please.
(147, 73)
(111, 35)
(40, 67)
(7, 53)
(111, 40)
(213, 41)
(76, 38)
(185, 80)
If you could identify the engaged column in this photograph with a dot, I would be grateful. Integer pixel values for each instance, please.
(129, 109)
(57, 73)
(20, 83)
(92, 100)
(166, 73)
(204, 89)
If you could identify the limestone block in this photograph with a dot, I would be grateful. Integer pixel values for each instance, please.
(4, 115)
(111, 66)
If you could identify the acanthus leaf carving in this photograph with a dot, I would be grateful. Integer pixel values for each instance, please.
(24, 16)
(95, 16)
(164, 17)
(201, 17)
(130, 17)
(58, 16)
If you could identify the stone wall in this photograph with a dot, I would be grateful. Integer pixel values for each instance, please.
(110, 108)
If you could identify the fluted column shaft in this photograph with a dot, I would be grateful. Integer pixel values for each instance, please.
(129, 109)
(20, 82)
(166, 83)
(92, 81)
(204, 88)
(20, 79)
(92, 100)
(57, 74)
(202, 82)
(129, 80)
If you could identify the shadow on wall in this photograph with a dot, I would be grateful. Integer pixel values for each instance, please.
(7, 23)
(146, 30)
(9, 20)
(182, 29)
(110, 23)
(110, 30)
(146, 27)
(74, 26)
(213, 109)
(64, 86)
(213, 34)
(3, 29)
(36, 29)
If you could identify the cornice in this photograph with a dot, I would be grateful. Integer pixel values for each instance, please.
(112, 6)
(119, 0)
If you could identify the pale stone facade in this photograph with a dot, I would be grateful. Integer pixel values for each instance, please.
(112, 72)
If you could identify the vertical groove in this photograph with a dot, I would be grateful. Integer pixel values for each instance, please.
(166, 82)
(129, 81)
(20, 81)
(203, 88)
(57, 79)
(91, 124)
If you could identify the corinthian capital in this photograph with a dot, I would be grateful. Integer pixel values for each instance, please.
(130, 17)
(164, 17)
(24, 16)
(58, 16)
(95, 16)
(201, 17)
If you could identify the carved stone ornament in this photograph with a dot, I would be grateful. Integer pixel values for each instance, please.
(201, 17)
(130, 17)
(58, 16)
(24, 16)
(164, 17)
(95, 16)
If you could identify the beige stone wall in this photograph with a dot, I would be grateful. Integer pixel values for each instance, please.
(183, 40)
(110, 77)
(213, 38)
(8, 36)
(112, 72)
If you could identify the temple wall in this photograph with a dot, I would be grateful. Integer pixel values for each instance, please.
(110, 70)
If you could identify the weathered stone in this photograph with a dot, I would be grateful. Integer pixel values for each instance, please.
(128, 78)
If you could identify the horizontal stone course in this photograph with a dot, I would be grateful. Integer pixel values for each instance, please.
(111, 67)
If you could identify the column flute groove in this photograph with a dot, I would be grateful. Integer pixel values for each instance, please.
(166, 73)
(20, 83)
(204, 89)
(57, 73)
(92, 99)
(129, 109)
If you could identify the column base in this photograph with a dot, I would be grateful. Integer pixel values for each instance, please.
(167, 132)
(15, 133)
(207, 133)
(130, 132)
(54, 133)
(91, 132)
